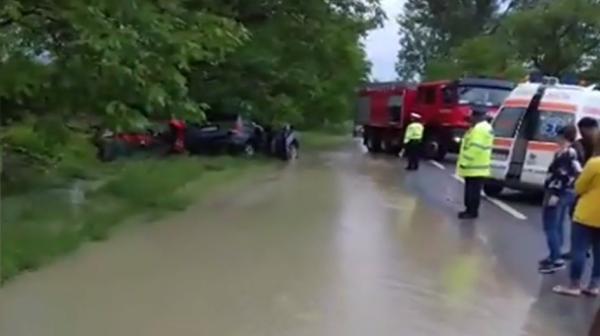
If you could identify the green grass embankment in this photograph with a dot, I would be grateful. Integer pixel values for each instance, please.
(49, 213)
(318, 140)
(44, 224)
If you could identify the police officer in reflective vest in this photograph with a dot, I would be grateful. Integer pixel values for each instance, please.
(474, 161)
(412, 141)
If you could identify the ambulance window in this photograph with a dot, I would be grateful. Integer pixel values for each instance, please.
(506, 122)
(550, 123)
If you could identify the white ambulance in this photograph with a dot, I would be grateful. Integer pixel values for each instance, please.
(526, 131)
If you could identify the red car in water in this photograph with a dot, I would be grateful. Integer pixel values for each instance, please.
(166, 138)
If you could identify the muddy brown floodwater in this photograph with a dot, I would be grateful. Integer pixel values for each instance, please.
(336, 244)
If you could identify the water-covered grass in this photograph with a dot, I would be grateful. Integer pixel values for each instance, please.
(323, 140)
(44, 224)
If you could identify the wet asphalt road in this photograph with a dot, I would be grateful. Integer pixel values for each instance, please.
(340, 243)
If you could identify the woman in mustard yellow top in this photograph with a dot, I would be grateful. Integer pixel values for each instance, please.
(585, 232)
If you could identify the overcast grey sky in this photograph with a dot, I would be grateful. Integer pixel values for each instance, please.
(382, 44)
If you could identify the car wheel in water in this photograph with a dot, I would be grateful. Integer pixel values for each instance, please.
(292, 152)
(249, 150)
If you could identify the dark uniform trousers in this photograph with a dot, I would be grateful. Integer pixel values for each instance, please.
(413, 153)
(473, 188)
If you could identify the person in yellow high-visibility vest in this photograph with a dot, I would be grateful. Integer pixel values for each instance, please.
(474, 160)
(412, 141)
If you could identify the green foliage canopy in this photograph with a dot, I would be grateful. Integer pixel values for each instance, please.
(504, 38)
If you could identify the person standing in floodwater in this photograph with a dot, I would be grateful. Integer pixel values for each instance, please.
(474, 161)
(413, 136)
(559, 196)
(585, 232)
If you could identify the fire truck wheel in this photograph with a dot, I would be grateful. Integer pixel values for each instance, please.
(441, 154)
(395, 150)
(431, 148)
(390, 148)
(373, 144)
(434, 149)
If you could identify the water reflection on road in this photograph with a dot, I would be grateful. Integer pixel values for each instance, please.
(339, 244)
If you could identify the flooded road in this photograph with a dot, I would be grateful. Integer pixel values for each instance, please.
(337, 244)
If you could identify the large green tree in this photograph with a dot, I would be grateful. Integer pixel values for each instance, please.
(560, 37)
(116, 62)
(430, 29)
(555, 37)
(301, 64)
(114, 59)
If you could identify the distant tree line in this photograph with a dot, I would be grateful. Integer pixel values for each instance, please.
(503, 38)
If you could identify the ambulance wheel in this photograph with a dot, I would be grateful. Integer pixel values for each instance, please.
(493, 189)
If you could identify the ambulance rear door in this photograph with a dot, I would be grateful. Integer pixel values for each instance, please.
(543, 143)
(505, 125)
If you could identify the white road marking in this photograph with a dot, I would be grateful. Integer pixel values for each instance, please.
(503, 206)
(512, 211)
(483, 239)
(437, 164)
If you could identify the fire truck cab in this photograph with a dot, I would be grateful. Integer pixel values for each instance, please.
(445, 108)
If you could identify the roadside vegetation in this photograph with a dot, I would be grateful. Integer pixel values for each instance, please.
(70, 68)
(45, 223)
(73, 204)
(326, 137)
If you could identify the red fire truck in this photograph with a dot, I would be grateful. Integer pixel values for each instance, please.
(383, 110)
(444, 106)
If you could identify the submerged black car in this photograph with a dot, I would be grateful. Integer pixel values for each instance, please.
(236, 135)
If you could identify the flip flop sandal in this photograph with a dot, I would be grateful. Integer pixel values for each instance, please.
(593, 292)
(562, 290)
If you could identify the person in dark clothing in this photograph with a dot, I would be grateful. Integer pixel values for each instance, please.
(595, 329)
(588, 128)
(559, 196)
(584, 147)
